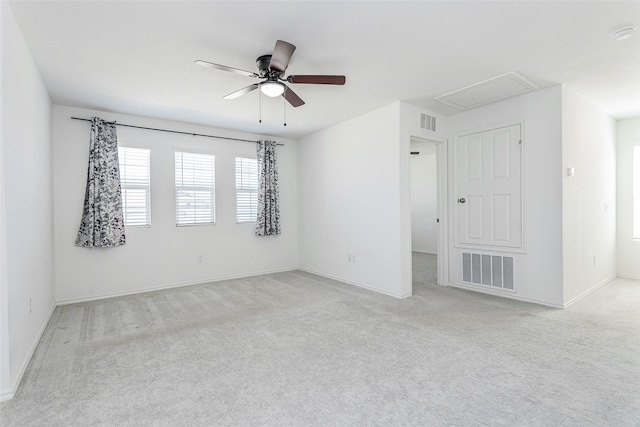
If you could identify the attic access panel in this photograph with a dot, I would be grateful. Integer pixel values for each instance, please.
(485, 92)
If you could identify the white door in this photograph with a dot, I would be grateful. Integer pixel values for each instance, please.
(488, 188)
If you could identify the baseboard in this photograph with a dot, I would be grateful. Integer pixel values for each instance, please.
(8, 395)
(588, 291)
(162, 287)
(360, 285)
(509, 295)
(626, 276)
(424, 252)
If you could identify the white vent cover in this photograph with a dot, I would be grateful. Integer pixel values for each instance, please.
(488, 91)
(427, 122)
(490, 270)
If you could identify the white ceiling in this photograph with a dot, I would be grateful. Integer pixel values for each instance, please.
(137, 57)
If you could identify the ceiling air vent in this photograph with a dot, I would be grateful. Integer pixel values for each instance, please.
(491, 90)
(427, 122)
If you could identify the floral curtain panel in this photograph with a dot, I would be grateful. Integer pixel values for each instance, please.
(102, 222)
(268, 221)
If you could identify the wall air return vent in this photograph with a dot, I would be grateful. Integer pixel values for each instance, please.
(427, 122)
(489, 270)
(488, 91)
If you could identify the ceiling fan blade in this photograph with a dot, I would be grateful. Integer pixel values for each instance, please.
(242, 91)
(318, 80)
(281, 55)
(225, 68)
(291, 96)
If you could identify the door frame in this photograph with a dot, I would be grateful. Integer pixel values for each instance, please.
(442, 205)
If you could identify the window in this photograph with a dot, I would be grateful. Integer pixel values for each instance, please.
(636, 192)
(195, 185)
(135, 185)
(246, 190)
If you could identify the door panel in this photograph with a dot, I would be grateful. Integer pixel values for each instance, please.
(501, 150)
(501, 218)
(488, 179)
(474, 159)
(475, 219)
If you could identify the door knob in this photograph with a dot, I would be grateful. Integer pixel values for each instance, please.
(461, 200)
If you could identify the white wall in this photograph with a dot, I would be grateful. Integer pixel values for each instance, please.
(164, 255)
(5, 366)
(538, 270)
(27, 239)
(628, 249)
(424, 207)
(588, 198)
(349, 195)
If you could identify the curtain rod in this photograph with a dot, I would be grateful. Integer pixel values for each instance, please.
(174, 131)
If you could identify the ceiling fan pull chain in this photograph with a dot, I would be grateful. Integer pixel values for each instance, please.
(260, 105)
(284, 108)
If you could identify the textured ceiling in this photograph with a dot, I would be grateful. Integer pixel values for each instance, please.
(137, 57)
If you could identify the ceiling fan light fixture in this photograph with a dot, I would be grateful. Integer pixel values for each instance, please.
(272, 89)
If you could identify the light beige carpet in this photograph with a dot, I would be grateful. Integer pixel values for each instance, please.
(295, 349)
(424, 268)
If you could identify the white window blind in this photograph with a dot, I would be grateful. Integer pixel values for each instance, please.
(246, 189)
(636, 192)
(195, 188)
(135, 185)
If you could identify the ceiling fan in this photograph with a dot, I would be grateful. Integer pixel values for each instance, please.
(271, 70)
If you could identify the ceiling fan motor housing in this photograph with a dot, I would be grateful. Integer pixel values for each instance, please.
(263, 65)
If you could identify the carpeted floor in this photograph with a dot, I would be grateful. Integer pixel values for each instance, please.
(295, 349)
(424, 268)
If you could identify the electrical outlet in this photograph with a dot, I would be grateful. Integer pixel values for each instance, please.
(352, 258)
(29, 305)
(594, 260)
(199, 258)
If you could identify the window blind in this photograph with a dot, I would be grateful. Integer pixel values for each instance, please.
(195, 188)
(246, 190)
(135, 185)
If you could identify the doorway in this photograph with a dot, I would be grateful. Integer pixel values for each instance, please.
(428, 205)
